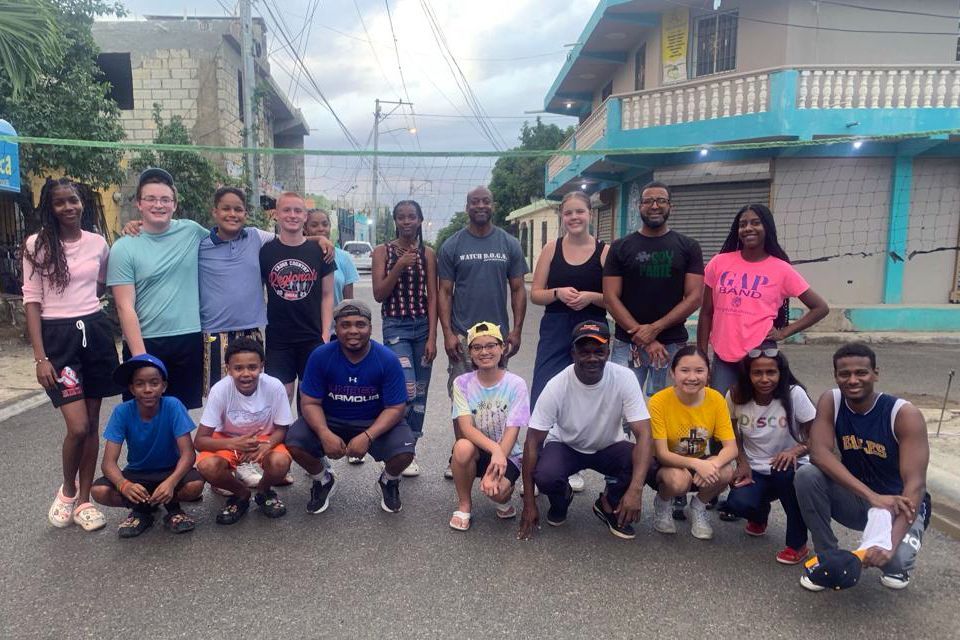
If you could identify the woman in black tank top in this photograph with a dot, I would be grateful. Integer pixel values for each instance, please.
(568, 281)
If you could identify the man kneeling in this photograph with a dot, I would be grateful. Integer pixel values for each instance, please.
(579, 416)
(245, 420)
(353, 398)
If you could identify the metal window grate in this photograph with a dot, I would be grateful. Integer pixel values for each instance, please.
(717, 43)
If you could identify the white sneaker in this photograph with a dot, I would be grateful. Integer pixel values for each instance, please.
(576, 482)
(895, 580)
(354, 460)
(663, 516)
(249, 474)
(412, 470)
(448, 473)
(536, 491)
(808, 584)
(699, 520)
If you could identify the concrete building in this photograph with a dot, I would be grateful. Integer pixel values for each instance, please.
(192, 68)
(537, 223)
(872, 218)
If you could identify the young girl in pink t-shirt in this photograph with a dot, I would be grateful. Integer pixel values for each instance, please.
(64, 274)
(745, 286)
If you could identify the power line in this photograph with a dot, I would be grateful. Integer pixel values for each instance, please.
(815, 27)
(374, 51)
(882, 10)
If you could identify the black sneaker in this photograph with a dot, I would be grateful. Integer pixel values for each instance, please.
(270, 505)
(679, 504)
(557, 514)
(320, 493)
(626, 532)
(391, 495)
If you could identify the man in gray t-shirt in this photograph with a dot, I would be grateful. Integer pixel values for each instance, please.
(475, 266)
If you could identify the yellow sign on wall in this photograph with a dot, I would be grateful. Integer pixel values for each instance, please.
(674, 28)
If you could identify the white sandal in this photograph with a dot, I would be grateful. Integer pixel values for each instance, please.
(464, 520)
(506, 511)
(89, 517)
(60, 514)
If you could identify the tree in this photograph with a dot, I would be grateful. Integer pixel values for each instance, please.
(29, 40)
(457, 222)
(196, 176)
(68, 100)
(516, 181)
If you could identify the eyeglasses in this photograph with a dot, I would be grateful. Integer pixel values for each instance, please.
(165, 201)
(769, 352)
(648, 202)
(478, 348)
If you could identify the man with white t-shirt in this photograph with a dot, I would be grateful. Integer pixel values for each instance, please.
(576, 425)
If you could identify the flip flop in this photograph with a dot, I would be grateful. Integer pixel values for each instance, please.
(506, 512)
(464, 519)
(89, 517)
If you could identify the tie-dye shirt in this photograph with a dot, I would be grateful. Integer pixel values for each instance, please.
(493, 409)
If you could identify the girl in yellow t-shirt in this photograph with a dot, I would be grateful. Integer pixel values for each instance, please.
(684, 418)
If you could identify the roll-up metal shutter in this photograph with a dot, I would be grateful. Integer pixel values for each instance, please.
(705, 211)
(605, 225)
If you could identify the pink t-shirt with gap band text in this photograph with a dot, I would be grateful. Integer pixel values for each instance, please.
(746, 298)
(87, 263)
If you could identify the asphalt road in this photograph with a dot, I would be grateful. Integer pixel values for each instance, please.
(358, 572)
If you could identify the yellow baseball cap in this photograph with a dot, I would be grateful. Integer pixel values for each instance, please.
(484, 329)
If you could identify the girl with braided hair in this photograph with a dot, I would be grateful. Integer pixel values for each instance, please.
(64, 275)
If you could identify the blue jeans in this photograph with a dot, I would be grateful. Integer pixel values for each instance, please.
(753, 503)
(407, 337)
(650, 377)
(723, 375)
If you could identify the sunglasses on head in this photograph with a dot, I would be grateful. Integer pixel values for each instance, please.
(769, 352)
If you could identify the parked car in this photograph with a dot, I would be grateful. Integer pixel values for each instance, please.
(362, 254)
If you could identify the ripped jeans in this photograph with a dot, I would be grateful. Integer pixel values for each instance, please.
(407, 338)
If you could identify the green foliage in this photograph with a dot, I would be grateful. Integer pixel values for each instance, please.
(67, 99)
(196, 176)
(30, 39)
(515, 182)
(457, 222)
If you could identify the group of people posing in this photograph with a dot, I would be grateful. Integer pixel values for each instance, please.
(192, 303)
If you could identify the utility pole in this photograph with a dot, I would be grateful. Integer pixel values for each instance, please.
(249, 87)
(378, 115)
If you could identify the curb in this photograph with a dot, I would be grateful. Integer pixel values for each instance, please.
(22, 404)
(945, 518)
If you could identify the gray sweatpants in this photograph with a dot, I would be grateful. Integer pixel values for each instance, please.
(822, 500)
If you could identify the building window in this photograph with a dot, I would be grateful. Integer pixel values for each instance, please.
(607, 91)
(716, 43)
(116, 70)
(543, 233)
(639, 68)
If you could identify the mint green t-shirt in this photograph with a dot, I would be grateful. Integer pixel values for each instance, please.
(163, 269)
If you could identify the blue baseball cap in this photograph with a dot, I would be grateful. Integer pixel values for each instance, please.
(123, 374)
(834, 569)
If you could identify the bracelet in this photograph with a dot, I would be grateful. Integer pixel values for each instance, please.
(44, 359)
(368, 437)
(554, 294)
(123, 485)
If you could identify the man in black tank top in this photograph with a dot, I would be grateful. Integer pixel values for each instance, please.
(882, 442)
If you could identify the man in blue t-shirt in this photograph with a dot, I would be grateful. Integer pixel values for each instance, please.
(353, 397)
(160, 455)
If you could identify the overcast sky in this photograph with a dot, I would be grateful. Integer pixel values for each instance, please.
(509, 50)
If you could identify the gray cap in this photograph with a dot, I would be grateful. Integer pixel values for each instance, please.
(155, 174)
(352, 307)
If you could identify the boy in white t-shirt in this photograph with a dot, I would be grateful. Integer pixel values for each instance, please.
(576, 425)
(245, 420)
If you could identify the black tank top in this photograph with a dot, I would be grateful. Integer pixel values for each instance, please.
(582, 277)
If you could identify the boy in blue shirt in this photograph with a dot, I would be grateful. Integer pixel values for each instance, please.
(160, 452)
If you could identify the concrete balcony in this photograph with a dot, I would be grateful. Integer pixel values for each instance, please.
(768, 105)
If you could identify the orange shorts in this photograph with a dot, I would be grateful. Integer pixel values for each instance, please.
(232, 457)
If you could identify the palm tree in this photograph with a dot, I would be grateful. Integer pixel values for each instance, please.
(30, 38)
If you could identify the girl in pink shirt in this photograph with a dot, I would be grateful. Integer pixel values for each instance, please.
(745, 288)
(64, 273)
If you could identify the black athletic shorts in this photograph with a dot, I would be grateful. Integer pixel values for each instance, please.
(150, 479)
(397, 440)
(83, 354)
(183, 357)
(287, 361)
(483, 462)
(214, 346)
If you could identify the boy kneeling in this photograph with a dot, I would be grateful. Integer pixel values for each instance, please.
(160, 453)
(245, 420)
